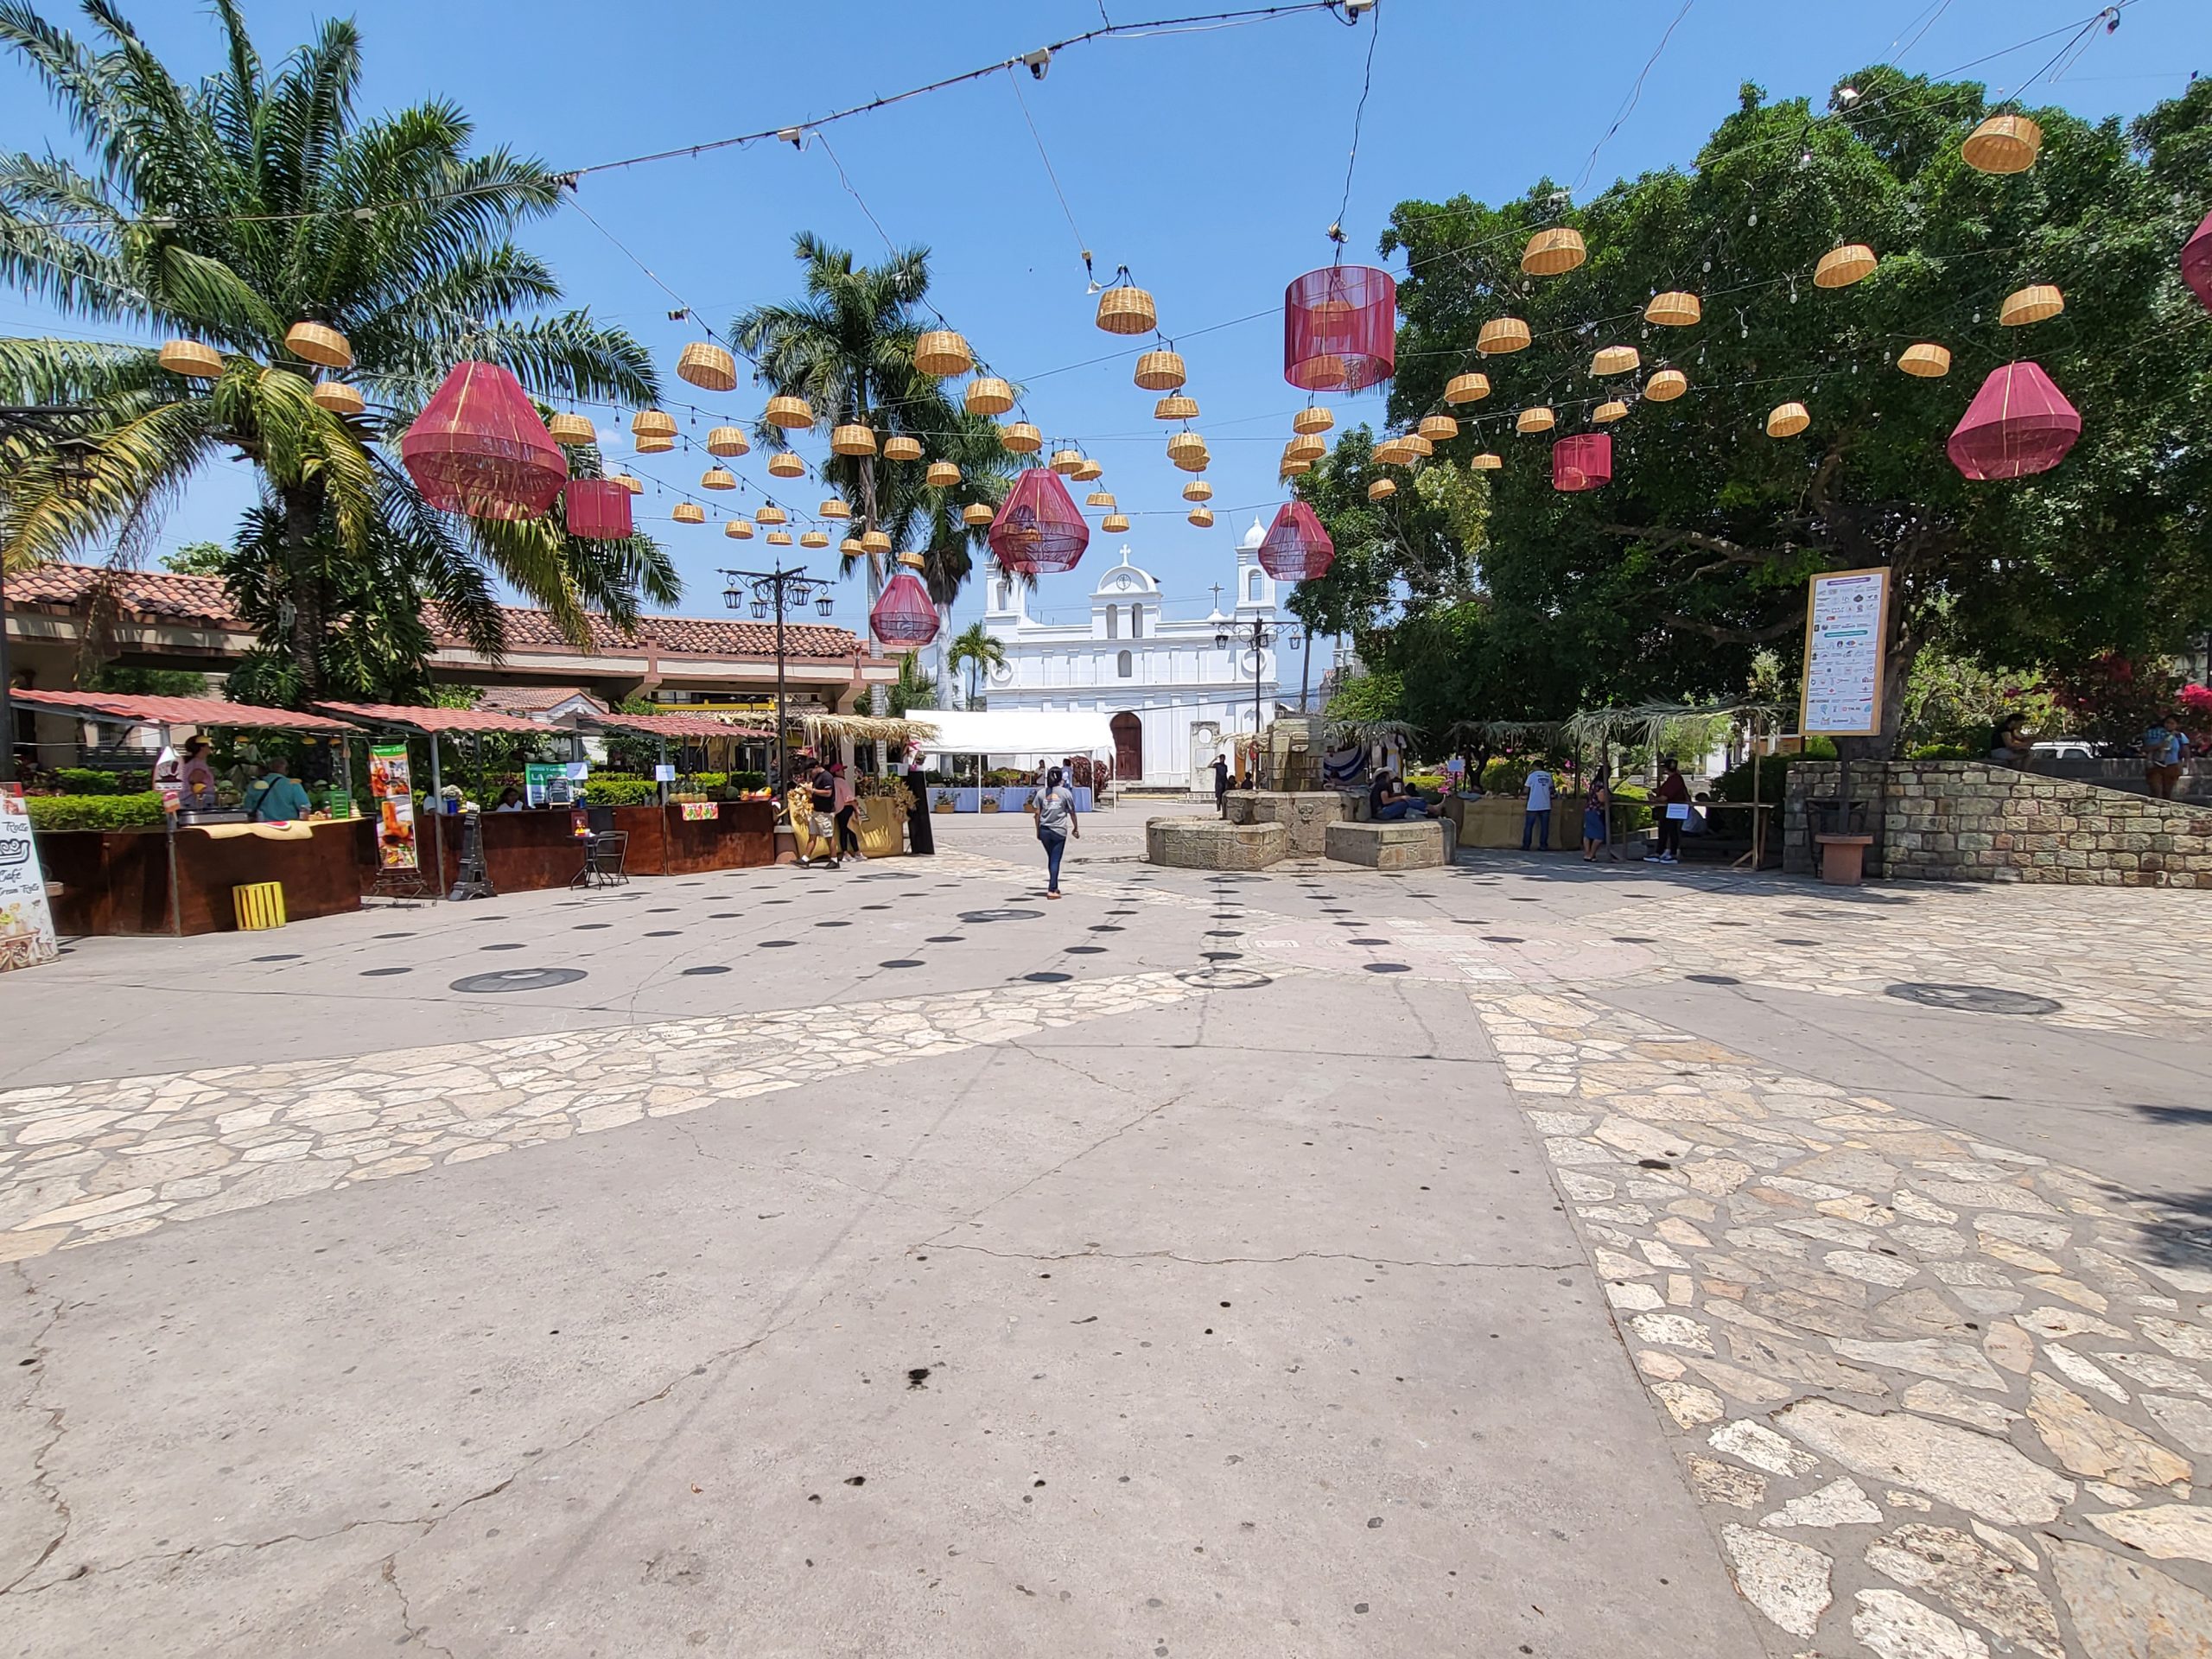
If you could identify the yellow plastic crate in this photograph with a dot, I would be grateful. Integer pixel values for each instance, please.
(260, 905)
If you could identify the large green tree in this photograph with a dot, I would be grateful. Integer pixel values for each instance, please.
(1698, 551)
(227, 210)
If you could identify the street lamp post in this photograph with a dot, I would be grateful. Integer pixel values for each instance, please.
(58, 425)
(776, 591)
(1257, 636)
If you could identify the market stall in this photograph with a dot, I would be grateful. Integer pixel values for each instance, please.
(1035, 737)
(179, 879)
(686, 832)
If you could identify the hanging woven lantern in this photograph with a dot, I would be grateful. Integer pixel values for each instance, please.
(773, 514)
(1296, 547)
(2196, 262)
(1381, 489)
(1487, 463)
(988, 395)
(1787, 421)
(941, 475)
(1089, 471)
(1582, 461)
(1127, 310)
(780, 538)
(1114, 524)
(596, 508)
(1289, 468)
(1099, 499)
(1159, 371)
(1539, 419)
(1340, 328)
(1198, 490)
(191, 358)
(1311, 418)
(975, 514)
(318, 344)
(784, 464)
(835, 507)
(689, 512)
(851, 548)
(727, 441)
(636, 487)
(1467, 389)
(1202, 516)
(1926, 360)
(940, 353)
(652, 423)
(716, 477)
(1022, 438)
(1437, 429)
(902, 448)
(1037, 530)
(792, 414)
(814, 538)
(2019, 423)
(1607, 413)
(1665, 386)
(570, 430)
(1553, 252)
(905, 615)
(1176, 406)
(1841, 267)
(1184, 447)
(1674, 309)
(852, 439)
(1615, 360)
(342, 399)
(1418, 444)
(705, 364)
(1307, 446)
(2035, 303)
(1502, 335)
(738, 530)
(875, 541)
(2003, 143)
(1394, 451)
(655, 446)
(1065, 461)
(478, 448)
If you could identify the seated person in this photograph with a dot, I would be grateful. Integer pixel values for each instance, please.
(277, 798)
(510, 800)
(1390, 800)
(2011, 745)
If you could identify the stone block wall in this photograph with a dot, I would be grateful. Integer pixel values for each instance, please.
(1306, 817)
(1967, 821)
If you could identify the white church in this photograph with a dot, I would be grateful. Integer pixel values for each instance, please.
(1174, 699)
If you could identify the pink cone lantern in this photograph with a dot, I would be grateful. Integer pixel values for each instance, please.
(1038, 530)
(598, 509)
(2019, 423)
(1582, 461)
(903, 613)
(1340, 328)
(479, 447)
(1296, 547)
(2196, 262)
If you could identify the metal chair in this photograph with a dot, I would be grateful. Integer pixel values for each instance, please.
(606, 853)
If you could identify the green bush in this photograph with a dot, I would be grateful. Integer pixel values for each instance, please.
(619, 791)
(1631, 816)
(1735, 784)
(54, 813)
(1945, 751)
(91, 780)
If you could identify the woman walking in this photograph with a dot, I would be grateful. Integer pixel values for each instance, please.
(844, 807)
(921, 836)
(1054, 807)
(1595, 801)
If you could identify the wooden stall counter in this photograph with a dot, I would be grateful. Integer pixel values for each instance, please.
(532, 850)
(741, 836)
(117, 881)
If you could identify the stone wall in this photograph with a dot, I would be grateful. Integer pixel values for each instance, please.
(1306, 817)
(1967, 821)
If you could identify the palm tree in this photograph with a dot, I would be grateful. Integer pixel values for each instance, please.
(228, 210)
(914, 688)
(976, 649)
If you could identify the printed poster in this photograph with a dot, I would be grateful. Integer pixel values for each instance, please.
(392, 791)
(26, 921)
(545, 783)
(701, 811)
(1846, 613)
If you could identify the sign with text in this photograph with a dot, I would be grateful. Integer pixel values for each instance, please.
(1846, 617)
(26, 921)
(391, 790)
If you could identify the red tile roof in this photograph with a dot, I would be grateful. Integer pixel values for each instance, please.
(164, 596)
(671, 725)
(533, 699)
(418, 719)
(177, 711)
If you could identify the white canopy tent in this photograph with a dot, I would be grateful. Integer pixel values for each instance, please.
(1020, 733)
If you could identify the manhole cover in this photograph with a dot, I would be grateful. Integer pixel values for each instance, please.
(1975, 999)
(1000, 915)
(711, 967)
(1712, 979)
(518, 979)
(1225, 979)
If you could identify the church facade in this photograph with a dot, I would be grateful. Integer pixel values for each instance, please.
(1174, 699)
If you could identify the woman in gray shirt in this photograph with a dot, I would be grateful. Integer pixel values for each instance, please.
(1054, 806)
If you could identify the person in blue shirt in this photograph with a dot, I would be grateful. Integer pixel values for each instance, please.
(2162, 747)
(275, 797)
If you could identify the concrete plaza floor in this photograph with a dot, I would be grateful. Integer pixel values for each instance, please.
(1522, 1258)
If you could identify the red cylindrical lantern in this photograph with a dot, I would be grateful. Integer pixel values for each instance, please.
(1038, 530)
(479, 447)
(1296, 547)
(597, 508)
(1582, 461)
(1340, 328)
(2196, 262)
(904, 614)
(2019, 423)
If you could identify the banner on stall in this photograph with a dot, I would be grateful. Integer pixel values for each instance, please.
(26, 921)
(700, 811)
(545, 783)
(391, 790)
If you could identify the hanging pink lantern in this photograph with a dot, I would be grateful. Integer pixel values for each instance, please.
(1340, 328)
(904, 614)
(479, 447)
(1296, 547)
(597, 508)
(2196, 262)
(1038, 530)
(1582, 461)
(2019, 423)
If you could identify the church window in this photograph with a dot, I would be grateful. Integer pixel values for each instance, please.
(1113, 621)
(1136, 621)
(1124, 665)
(1005, 596)
(1252, 586)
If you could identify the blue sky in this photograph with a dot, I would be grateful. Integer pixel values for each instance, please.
(1208, 161)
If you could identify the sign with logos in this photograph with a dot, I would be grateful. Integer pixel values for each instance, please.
(1846, 616)
(392, 791)
(545, 783)
(26, 920)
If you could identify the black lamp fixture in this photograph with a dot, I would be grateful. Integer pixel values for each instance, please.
(824, 604)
